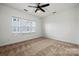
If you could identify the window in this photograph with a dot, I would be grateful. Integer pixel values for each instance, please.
(20, 25)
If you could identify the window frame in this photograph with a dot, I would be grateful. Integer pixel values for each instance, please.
(19, 26)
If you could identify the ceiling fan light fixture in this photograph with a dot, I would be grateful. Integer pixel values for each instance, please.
(39, 12)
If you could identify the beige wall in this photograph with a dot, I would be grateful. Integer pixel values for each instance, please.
(6, 35)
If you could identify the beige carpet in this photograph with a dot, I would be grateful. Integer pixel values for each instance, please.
(40, 47)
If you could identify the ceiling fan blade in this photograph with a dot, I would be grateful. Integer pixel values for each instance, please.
(38, 3)
(44, 5)
(41, 9)
(36, 10)
(32, 6)
(25, 10)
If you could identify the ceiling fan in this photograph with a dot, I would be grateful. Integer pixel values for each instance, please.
(39, 7)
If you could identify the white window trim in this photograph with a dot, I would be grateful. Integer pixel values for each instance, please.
(30, 31)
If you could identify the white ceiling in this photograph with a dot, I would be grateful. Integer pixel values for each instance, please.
(54, 7)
